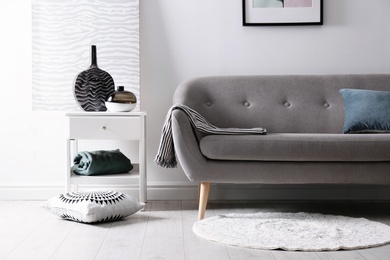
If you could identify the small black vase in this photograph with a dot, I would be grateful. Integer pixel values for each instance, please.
(93, 86)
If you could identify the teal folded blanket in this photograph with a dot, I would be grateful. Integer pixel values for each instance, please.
(101, 162)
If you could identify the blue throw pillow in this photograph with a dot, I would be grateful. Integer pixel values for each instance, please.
(366, 111)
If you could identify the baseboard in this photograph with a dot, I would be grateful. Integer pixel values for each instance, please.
(301, 192)
(189, 191)
(176, 191)
(29, 191)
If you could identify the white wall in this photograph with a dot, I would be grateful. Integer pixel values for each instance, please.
(180, 39)
(31, 142)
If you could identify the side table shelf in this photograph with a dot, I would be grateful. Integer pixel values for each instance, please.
(107, 126)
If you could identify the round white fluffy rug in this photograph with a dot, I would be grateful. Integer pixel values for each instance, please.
(293, 231)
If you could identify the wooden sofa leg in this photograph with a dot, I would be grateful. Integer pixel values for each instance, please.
(198, 192)
(204, 196)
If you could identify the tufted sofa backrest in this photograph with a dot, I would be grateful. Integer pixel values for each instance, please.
(281, 104)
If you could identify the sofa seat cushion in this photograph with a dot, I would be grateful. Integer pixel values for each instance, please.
(297, 147)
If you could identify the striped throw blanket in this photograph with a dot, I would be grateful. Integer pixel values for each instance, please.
(166, 157)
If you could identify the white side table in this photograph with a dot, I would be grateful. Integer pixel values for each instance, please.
(107, 126)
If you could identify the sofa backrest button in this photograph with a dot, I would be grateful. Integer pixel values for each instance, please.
(287, 104)
(326, 104)
(247, 104)
(208, 103)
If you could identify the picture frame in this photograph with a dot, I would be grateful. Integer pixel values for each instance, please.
(282, 12)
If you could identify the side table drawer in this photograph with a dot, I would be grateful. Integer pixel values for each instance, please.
(105, 127)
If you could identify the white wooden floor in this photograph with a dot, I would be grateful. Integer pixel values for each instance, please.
(162, 231)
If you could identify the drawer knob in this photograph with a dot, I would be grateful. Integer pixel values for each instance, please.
(104, 127)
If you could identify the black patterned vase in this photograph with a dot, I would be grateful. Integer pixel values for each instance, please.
(93, 86)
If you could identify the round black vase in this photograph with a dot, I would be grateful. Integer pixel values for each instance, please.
(93, 86)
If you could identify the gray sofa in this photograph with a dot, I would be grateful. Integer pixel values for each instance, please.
(304, 117)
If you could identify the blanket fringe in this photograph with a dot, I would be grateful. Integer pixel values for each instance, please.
(159, 161)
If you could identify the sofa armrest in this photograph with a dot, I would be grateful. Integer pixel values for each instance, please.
(186, 145)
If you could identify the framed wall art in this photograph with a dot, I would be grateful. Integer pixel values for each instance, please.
(282, 12)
